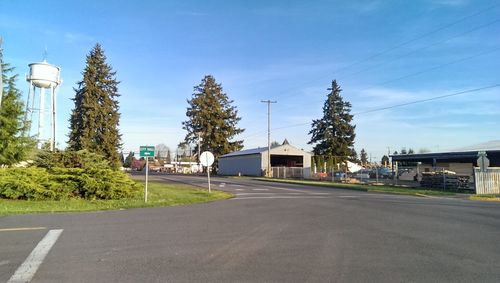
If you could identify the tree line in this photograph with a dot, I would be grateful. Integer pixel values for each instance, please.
(212, 119)
(94, 119)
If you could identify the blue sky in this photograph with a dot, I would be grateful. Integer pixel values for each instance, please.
(382, 53)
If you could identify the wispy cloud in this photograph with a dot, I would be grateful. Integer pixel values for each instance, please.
(365, 7)
(75, 37)
(192, 13)
(451, 3)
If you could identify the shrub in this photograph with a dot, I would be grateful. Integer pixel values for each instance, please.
(25, 183)
(62, 183)
(71, 159)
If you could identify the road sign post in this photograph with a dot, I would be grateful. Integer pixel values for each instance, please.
(146, 183)
(146, 152)
(482, 161)
(207, 159)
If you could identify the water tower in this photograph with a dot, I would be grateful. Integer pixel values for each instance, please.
(43, 76)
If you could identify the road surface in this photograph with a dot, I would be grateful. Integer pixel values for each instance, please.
(268, 232)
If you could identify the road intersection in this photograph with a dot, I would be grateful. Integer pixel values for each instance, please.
(269, 232)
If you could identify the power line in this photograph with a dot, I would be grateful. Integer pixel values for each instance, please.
(424, 47)
(422, 36)
(427, 70)
(429, 99)
(403, 104)
(404, 43)
(434, 68)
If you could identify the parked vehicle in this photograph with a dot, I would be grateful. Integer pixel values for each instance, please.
(383, 173)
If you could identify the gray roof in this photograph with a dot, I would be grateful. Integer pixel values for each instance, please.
(246, 152)
(491, 145)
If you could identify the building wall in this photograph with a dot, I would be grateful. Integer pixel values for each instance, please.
(254, 164)
(287, 150)
(290, 150)
(249, 165)
(462, 168)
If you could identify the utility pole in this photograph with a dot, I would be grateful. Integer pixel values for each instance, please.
(199, 145)
(268, 173)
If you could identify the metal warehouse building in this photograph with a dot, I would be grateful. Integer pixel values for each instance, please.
(461, 161)
(253, 162)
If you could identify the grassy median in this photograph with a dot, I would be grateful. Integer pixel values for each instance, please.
(366, 188)
(159, 194)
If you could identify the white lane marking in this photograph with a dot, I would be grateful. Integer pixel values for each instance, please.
(4, 262)
(283, 194)
(291, 190)
(27, 270)
(253, 194)
(239, 189)
(260, 189)
(236, 185)
(21, 229)
(279, 197)
(348, 196)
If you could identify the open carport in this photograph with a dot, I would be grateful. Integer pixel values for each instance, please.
(253, 162)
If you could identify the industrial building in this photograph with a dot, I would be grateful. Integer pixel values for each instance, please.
(253, 162)
(475, 168)
(461, 161)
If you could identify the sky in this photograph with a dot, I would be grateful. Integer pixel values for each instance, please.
(382, 53)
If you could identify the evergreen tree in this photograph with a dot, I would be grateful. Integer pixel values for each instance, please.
(211, 114)
(122, 158)
(411, 151)
(168, 158)
(275, 144)
(354, 156)
(14, 146)
(94, 120)
(129, 159)
(333, 134)
(364, 157)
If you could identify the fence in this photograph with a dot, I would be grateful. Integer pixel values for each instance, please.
(487, 181)
(416, 176)
(288, 172)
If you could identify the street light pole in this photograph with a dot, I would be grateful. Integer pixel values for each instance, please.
(268, 135)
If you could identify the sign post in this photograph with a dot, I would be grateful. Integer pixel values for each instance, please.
(146, 151)
(207, 159)
(482, 161)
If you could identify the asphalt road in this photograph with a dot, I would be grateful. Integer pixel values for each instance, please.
(268, 233)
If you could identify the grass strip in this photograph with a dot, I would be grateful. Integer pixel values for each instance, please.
(159, 194)
(366, 188)
(485, 198)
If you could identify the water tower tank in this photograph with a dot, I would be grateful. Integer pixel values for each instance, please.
(44, 75)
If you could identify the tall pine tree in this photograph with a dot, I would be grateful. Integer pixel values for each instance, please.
(94, 120)
(364, 157)
(211, 115)
(333, 134)
(14, 146)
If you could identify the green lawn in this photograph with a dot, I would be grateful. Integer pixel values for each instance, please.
(159, 194)
(366, 188)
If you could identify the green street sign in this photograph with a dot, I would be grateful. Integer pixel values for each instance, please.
(146, 151)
